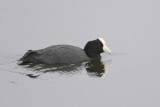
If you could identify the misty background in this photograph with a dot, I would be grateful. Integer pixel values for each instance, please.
(37, 23)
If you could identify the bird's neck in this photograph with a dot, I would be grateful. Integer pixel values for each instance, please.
(92, 55)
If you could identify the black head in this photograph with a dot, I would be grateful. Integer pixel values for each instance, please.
(94, 48)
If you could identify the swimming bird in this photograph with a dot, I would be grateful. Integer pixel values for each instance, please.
(66, 54)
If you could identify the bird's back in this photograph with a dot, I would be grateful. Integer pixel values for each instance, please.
(56, 54)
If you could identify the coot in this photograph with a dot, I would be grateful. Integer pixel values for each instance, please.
(66, 54)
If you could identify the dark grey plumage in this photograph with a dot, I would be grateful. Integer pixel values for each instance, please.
(66, 54)
(56, 54)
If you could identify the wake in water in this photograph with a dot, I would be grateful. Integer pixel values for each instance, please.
(97, 68)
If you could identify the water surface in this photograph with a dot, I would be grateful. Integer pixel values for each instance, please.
(128, 78)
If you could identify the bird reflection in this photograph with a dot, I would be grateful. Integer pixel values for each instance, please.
(95, 68)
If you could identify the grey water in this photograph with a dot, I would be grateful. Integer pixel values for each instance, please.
(127, 78)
